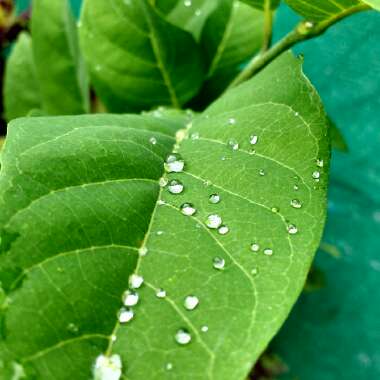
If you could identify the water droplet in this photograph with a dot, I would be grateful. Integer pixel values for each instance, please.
(182, 337)
(275, 210)
(194, 136)
(213, 221)
(107, 368)
(169, 366)
(191, 302)
(262, 172)
(254, 271)
(153, 140)
(223, 230)
(233, 144)
(296, 187)
(292, 229)
(316, 175)
(130, 298)
(188, 209)
(204, 328)
(143, 251)
(207, 183)
(320, 163)
(214, 198)
(161, 293)
(253, 139)
(231, 121)
(73, 328)
(162, 182)
(297, 113)
(268, 251)
(218, 263)
(159, 233)
(255, 247)
(125, 315)
(175, 186)
(295, 203)
(198, 12)
(187, 3)
(252, 151)
(160, 202)
(174, 163)
(135, 281)
(113, 338)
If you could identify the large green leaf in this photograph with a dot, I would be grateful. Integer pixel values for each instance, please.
(72, 230)
(189, 15)
(232, 34)
(21, 90)
(262, 4)
(136, 58)
(373, 3)
(60, 69)
(320, 10)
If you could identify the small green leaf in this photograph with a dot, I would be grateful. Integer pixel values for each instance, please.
(320, 10)
(232, 34)
(136, 58)
(261, 4)
(60, 69)
(74, 230)
(21, 90)
(187, 14)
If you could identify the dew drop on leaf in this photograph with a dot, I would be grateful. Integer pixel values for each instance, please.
(253, 139)
(296, 187)
(161, 293)
(233, 144)
(182, 337)
(254, 271)
(188, 209)
(295, 203)
(130, 298)
(218, 263)
(255, 247)
(153, 140)
(223, 230)
(168, 366)
(194, 136)
(320, 163)
(191, 302)
(231, 121)
(135, 281)
(204, 328)
(316, 175)
(143, 251)
(214, 198)
(162, 182)
(107, 368)
(174, 163)
(275, 210)
(73, 328)
(175, 187)
(268, 251)
(187, 3)
(262, 172)
(213, 221)
(125, 315)
(292, 229)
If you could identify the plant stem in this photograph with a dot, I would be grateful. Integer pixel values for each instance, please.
(303, 31)
(268, 27)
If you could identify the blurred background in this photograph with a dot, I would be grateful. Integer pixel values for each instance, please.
(334, 330)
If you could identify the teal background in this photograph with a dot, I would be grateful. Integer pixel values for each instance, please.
(334, 333)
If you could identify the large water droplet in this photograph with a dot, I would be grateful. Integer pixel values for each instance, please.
(292, 229)
(182, 337)
(130, 298)
(161, 293)
(268, 251)
(223, 230)
(191, 302)
(255, 247)
(253, 139)
(214, 198)
(125, 315)
(107, 368)
(175, 186)
(213, 221)
(135, 281)
(295, 203)
(188, 209)
(174, 163)
(218, 263)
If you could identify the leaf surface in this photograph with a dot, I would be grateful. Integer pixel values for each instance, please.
(137, 59)
(60, 69)
(373, 3)
(21, 89)
(261, 4)
(72, 230)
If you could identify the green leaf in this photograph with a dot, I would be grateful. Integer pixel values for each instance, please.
(21, 90)
(72, 230)
(373, 3)
(232, 34)
(260, 4)
(136, 58)
(189, 15)
(320, 10)
(60, 69)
